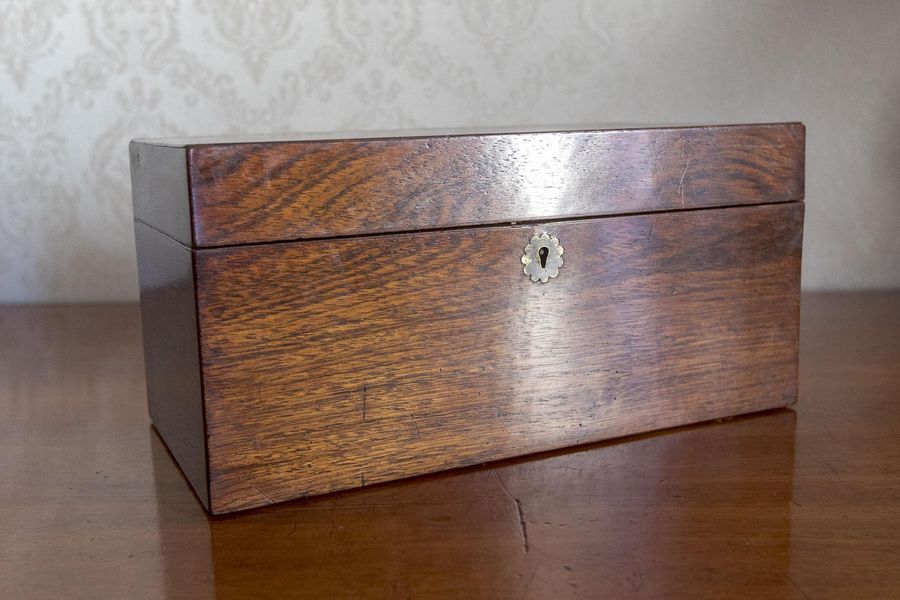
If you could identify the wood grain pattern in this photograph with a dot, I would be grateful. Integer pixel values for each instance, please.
(261, 192)
(780, 504)
(339, 363)
(171, 352)
(359, 358)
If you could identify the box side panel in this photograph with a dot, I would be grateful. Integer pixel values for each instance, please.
(263, 192)
(160, 189)
(171, 352)
(334, 364)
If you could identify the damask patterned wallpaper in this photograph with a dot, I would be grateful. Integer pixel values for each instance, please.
(79, 79)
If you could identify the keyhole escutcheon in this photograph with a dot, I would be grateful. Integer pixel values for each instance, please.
(542, 258)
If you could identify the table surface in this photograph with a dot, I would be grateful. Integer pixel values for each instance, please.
(791, 503)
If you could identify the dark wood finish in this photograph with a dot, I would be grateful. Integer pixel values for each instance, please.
(770, 506)
(339, 363)
(259, 192)
(160, 189)
(402, 339)
(169, 314)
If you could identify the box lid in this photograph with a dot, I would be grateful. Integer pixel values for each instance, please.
(208, 192)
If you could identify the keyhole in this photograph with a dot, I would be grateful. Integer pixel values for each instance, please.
(542, 254)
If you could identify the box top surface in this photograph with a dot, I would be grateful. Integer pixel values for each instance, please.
(208, 192)
(333, 136)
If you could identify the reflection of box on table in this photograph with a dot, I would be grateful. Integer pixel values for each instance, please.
(706, 506)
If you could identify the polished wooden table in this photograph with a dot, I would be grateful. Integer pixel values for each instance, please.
(798, 503)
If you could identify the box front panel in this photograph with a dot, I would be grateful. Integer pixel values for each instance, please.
(333, 364)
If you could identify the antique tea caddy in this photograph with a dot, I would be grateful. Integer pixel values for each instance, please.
(323, 313)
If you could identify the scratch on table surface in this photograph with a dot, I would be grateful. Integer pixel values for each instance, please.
(687, 163)
(522, 524)
(521, 514)
(327, 550)
(293, 524)
(829, 465)
(799, 589)
(529, 582)
(502, 485)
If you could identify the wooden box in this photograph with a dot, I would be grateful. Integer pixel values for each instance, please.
(323, 313)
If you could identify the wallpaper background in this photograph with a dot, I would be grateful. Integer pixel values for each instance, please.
(79, 79)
